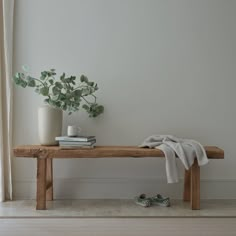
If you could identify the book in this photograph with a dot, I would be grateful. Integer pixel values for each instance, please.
(77, 147)
(75, 139)
(73, 143)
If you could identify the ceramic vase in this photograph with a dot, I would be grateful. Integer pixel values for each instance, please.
(49, 124)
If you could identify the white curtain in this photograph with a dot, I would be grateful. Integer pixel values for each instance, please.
(6, 41)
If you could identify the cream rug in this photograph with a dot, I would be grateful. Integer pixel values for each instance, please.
(116, 208)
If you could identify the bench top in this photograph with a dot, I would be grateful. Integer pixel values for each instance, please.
(35, 151)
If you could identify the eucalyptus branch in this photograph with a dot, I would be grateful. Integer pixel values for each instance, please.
(62, 93)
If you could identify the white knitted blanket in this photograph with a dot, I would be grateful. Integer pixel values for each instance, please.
(185, 149)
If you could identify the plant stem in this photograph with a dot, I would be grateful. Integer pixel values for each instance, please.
(86, 100)
(95, 98)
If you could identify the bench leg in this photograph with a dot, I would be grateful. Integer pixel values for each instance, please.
(187, 185)
(49, 180)
(195, 186)
(41, 184)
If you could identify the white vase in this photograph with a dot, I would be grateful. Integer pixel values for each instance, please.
(49, 124)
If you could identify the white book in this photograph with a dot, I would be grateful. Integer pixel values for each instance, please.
(67, 143)
(77, 147)
(75, 139)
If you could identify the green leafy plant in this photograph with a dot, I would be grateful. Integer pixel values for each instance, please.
(68, 93)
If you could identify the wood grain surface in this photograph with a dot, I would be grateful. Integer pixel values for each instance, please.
(37, 151)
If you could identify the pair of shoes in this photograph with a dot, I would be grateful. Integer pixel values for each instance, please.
(158, 200)
(142, 200)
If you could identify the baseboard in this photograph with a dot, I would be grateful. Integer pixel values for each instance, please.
(123, 188)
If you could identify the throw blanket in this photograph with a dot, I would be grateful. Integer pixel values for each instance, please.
(186, 149)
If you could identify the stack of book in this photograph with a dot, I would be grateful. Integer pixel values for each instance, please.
(77, 142)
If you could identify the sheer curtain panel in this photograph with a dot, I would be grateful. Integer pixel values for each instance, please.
(6, 34)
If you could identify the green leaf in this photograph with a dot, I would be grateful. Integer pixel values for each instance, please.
(62, 77)
(46, 100)
(83, 78)
(64, 107)
(51, 81)
(86, 107)
(56, 90)
(44, 91)
(16, 79)
(17, 75)
(58, 104)
(90, 83)
(95, 87)
(44, 74)
(23, 83)
(31, 83)
(77, 100)
(56, 97)
(86, 91)
(59, 85)
(72, 78)
(25, 68)
(62, 96)
(78, 93)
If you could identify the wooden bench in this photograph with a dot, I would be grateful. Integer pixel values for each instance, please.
(45, 155)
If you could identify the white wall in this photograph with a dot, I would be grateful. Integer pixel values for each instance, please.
(163, 67)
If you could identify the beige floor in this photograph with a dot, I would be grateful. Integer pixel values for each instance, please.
(116, 208)
(119, 227)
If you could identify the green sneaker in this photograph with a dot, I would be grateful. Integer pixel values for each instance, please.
(160, 200)
(143, 201)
